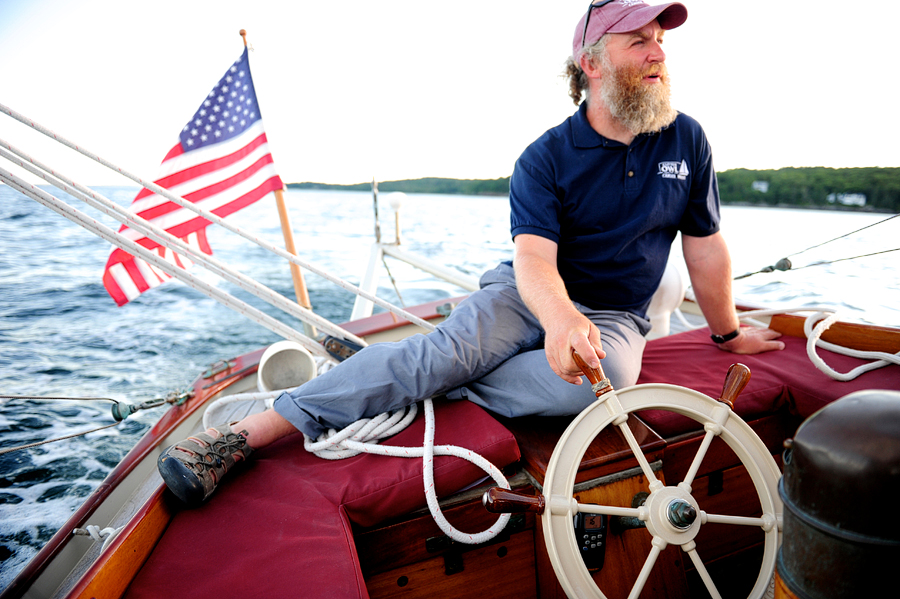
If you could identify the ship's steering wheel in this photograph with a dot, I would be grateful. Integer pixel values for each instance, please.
(671, 514)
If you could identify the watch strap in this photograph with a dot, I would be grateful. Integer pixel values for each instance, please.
(726, 337)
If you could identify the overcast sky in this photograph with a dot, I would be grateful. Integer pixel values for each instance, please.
(402, 89)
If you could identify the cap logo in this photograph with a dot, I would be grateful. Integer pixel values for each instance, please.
(629, 3)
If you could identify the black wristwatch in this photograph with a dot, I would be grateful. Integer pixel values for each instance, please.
(726, 337)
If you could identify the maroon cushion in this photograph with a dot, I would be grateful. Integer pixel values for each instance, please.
(777, 378)
(281, 526)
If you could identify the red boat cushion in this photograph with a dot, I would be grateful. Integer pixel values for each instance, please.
(780, 378)
(280, 527)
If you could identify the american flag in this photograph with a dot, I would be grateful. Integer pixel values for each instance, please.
(221, 163)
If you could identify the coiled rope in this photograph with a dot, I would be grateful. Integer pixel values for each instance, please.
(363, 435)
(814, 332)
(813, 327)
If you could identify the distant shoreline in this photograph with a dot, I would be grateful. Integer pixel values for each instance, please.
(807, 188)
(821, 207)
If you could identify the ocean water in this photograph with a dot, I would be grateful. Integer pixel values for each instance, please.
(61, 335)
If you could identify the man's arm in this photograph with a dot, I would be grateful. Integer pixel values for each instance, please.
(543, 291)
(709, 266)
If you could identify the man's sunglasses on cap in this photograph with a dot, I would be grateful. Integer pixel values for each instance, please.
(587, 17)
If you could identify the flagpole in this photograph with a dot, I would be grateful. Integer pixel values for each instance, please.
(296, 274)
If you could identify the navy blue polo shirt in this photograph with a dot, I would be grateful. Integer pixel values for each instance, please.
(613, 209)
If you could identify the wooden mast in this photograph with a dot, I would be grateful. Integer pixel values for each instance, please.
(296, 274)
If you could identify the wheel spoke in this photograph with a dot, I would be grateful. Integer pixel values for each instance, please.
(620, 419)
(698, 459)
(765, 522)
(636, 450)
(691, 550)
(658, 545)
(608, 510)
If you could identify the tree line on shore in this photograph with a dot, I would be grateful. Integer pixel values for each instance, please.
(870, 188)
(497, 187)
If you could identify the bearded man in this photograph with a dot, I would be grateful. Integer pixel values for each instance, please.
(595, 203)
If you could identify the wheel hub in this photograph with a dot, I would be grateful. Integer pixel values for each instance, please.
(681, 514)
(671, 513)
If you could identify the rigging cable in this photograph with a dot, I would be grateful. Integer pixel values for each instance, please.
(785, 264)
(844, 235)
(120, 411)
(212, 218)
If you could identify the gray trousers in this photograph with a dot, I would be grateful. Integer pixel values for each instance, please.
(489, 351)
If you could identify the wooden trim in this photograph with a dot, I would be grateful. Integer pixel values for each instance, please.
(782, 591)
(863, 337)
(171, 419)
(114, 570)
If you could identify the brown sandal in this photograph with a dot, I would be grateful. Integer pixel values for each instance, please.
(193, 468)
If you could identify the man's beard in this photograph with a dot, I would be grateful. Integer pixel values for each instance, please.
(639, 107)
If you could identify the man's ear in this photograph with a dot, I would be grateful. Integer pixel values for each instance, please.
(590, 69)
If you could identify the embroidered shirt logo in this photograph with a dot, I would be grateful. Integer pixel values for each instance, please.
(672, 169)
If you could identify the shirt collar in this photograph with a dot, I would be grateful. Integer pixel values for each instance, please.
(584, 136)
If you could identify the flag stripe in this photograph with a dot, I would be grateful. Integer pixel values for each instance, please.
(261, 177)
(119, 284)
(215, 188)
(242, 202)
(198, 157)
(190, 169)
(175, 151)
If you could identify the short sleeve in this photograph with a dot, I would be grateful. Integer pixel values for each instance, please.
(702, 216)
(533, 199)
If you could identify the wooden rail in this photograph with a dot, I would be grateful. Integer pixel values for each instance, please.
(863, 337)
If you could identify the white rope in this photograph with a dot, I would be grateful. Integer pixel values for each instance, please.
(165, 239)
(323, 365)
(219, 221)
(813, 334)
(99, 534)
(267, 397)
(362, 437)
(880, 359)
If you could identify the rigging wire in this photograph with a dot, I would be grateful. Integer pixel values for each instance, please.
(165, 239)
(120, 411)
(785, 263)
(844, 235)
(825, 262)
(393, 281)
(214, 219)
